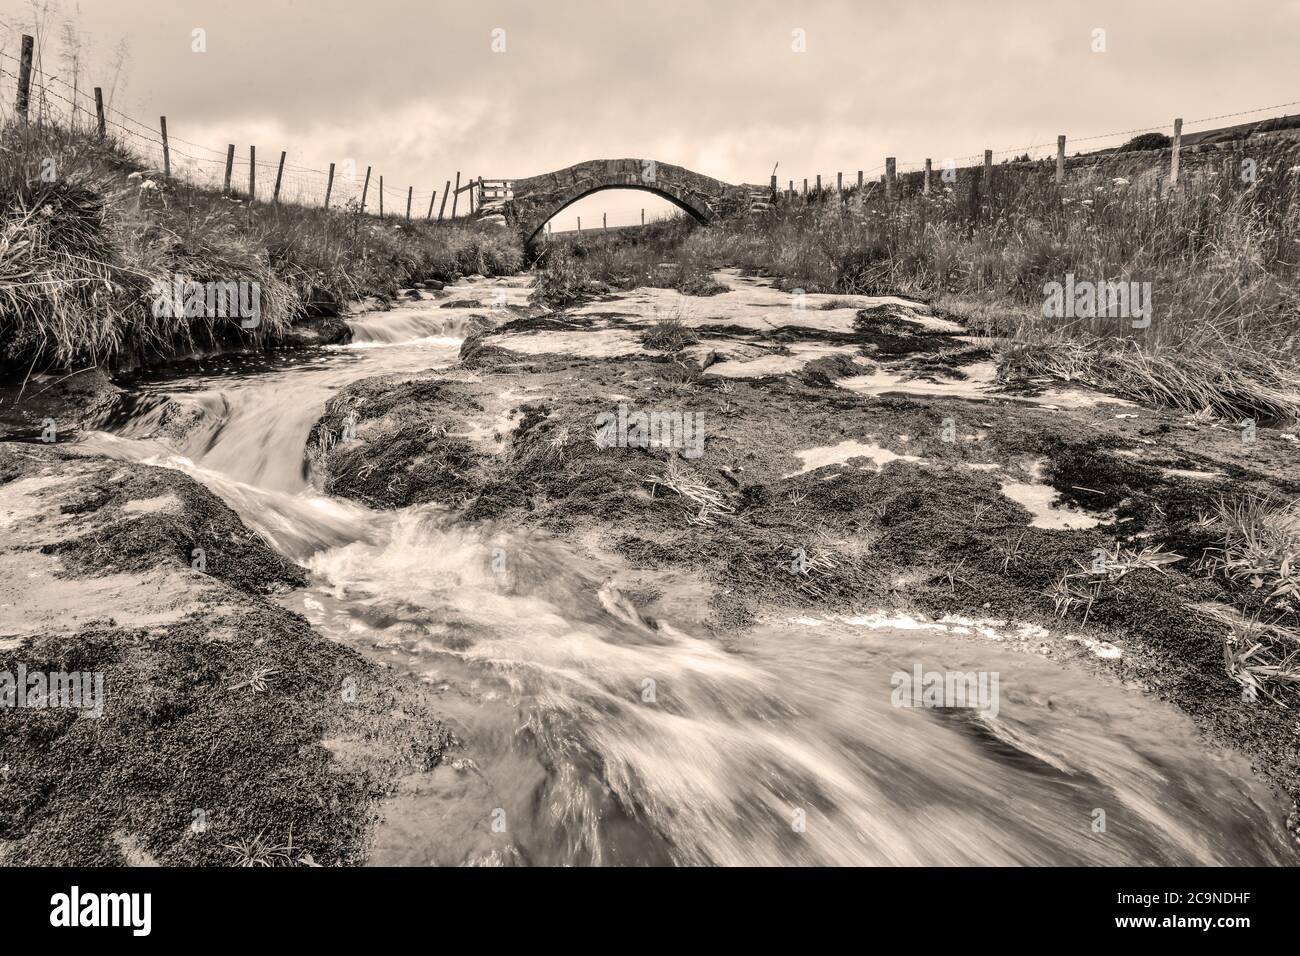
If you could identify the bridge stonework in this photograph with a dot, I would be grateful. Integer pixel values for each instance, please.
(530, 202)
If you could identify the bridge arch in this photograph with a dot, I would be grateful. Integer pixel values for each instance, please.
(529, 203)
(530, 228)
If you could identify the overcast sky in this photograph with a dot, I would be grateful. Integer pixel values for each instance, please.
(415, 88)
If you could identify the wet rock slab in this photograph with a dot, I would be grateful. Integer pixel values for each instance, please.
(872, 436)
(223, 723)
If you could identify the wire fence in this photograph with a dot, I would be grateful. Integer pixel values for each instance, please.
(586, 224)
(1099, 146)
(54, 101)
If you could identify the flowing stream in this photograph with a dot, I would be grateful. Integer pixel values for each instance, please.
(599, 731)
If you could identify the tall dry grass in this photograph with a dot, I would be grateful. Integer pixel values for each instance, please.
(86, 230)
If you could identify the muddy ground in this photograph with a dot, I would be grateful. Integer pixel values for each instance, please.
(925, 484)
(230, 732)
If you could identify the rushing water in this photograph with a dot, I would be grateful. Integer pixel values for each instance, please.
(597, 731)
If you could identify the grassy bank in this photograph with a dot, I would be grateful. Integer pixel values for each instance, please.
(1221, 254)
(574, 265)
(88, 235)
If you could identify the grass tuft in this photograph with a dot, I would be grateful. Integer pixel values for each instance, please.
(669, 334)
(1261, 548)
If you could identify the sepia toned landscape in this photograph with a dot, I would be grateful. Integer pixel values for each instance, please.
(793, 493)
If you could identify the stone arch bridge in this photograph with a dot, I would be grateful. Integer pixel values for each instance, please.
(527, 204)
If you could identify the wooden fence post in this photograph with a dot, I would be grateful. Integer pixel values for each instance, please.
(455, 197)
(365, 188)
(167, 153)
(1173, 154)
(925, 183)
(329, 185)
(431, 199)
(859, 180)
(252, 174)
(381, 196)
(805, 187)
(891, 175)
(230, 165)
(839, 184)
(25, 78)
(579, 224)
(819, 185)
(604, 222)
(445, 190)
(99, 113)
(988, 174)
(279, 176)
(410, 191)
(1060, 159)
(643, 217)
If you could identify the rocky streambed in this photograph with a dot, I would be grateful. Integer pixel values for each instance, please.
(656, 562)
